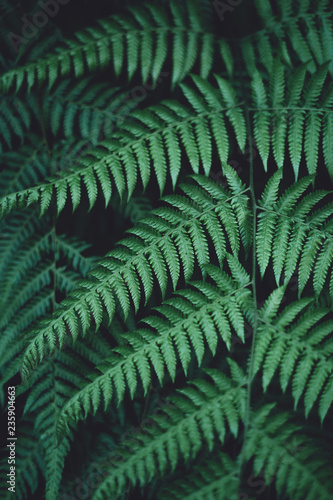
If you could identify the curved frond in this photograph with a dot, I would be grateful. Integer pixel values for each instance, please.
(161, 133)
(188, 323)
(139, 40)
(165, 243)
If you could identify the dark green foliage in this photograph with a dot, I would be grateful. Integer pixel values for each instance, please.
(166, 250)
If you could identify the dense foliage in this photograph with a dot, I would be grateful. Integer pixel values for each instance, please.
(166, 248)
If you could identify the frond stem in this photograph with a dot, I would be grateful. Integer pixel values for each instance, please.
(255, 310)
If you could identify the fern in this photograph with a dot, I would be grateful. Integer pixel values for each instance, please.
(166, 250)
(197, 415)
(141, 37)
(206, 481)
(287, 457)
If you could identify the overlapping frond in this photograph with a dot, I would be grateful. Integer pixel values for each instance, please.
(171, 299)
(168, 242)
(185, 325)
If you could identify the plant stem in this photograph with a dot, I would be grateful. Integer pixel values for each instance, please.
(255, 310)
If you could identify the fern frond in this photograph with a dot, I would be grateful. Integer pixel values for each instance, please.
(30, 276)
(164, 243)
(281, 114)
(197, 417)
(53, 384)
(142, 39)
(157, 133)
(28, 270)
(281, 452)
(291, 231)
(297, 341)
(217, 478)
(28, 166)
(193, 318)
(88, 109)
(298, 32)
(16, 117)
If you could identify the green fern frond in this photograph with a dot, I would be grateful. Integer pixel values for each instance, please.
(88, 109)
(284, 454)
(30, 277)
(296, 31)
(28, 166)
(191, 321)
(29, 271)
(16, 117)
(297, 342)
(141, 38)
(166, 242)
(216, 479)
(291, 231)
(197, 417)
(102, 342)
(280, 116)
(53, 384)
(158, 132)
